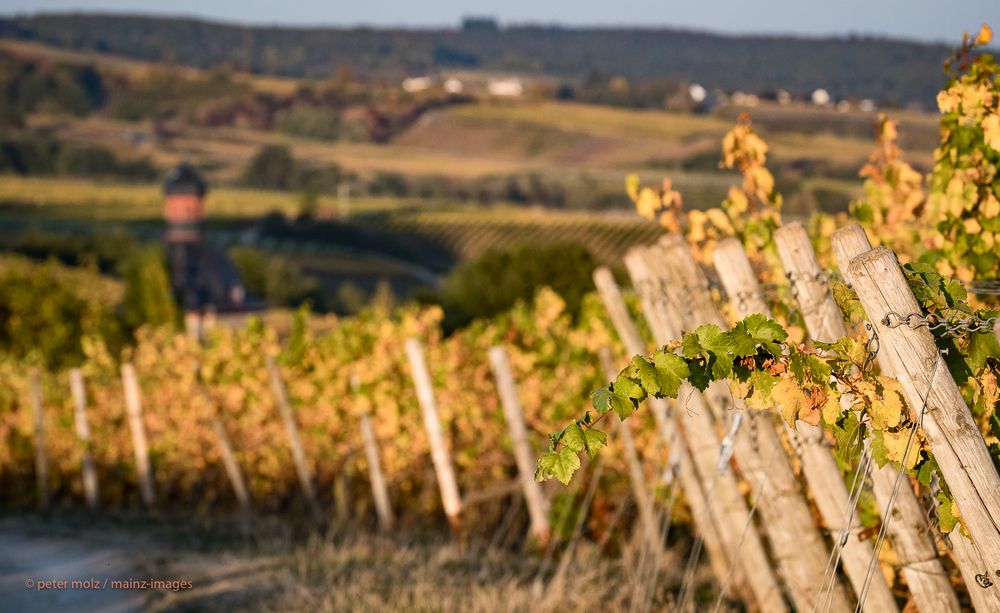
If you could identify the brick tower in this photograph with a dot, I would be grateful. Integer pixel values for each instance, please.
(206, 283)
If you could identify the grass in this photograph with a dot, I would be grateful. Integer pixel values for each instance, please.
(272, 567)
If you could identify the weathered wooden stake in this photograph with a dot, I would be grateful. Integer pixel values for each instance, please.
(41, 456)
(667, 423)
(954, 438)
(294, 441)
(79, 392)
(231, 465)
(637, 476)
(798, 544)
(917, 553)
(818, 464)
(441, 457)
(538, 507)
(133, 407)
(731, 516)
(380, 493)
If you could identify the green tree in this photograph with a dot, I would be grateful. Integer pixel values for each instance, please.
(272, 168)
(149, 298)
(496, 280)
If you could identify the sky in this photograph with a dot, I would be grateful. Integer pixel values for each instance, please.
(926, 20)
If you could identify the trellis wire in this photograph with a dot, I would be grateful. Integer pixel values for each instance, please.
(833, 562)
(887, 514)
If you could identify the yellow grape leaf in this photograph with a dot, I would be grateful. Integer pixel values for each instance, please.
(991, 208)
(948, 100)
(738, 202)
(696, 226)
(984, 36)
(895, 447)
(647, 203)
(991, 131)
(971, 226)
(720, 220)
(763, 179)
(632, 186)
(790, 399)
(887, 410)
(831, 408)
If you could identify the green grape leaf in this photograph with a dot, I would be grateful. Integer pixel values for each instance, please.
(806, 366)
(765, 332)
(559, 464)
(849, 434)
(595, 440)
(878, 450)
(948, 516)
(981, 346)
(580, 439)
(706, 340)
(926, 471)
(762, 385)
(607, 399)
(743, 343)
(573, 438)
(648, 376)
(673, 369)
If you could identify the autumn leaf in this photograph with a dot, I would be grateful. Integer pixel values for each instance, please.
(831, 410)
(984, 36)
(991, 131)
(790, 399)
(895, 447)
(886, 409)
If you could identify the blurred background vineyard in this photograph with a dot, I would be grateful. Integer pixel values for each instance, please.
(458, 186)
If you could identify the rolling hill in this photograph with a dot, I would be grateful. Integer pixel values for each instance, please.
(862, 67)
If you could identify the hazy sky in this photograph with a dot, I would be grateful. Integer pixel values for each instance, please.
(939, 20)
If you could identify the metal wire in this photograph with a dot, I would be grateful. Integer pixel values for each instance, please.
(887, 514)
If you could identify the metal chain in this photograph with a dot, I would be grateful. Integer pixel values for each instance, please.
(952, 325)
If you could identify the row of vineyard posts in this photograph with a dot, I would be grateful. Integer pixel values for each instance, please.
(751, 481)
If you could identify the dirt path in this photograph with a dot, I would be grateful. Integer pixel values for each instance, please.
(29, 559)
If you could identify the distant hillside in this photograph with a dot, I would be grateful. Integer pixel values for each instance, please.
(886, 70)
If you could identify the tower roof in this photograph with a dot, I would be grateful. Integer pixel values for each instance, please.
(184, 180)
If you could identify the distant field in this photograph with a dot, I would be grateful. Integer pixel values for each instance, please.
(81, 198)
(469, 233)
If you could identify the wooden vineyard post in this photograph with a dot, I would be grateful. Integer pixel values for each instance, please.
(294, 440)
(538, 508)
(818, 464)
(79, 393)
(133, 407)
(798, 544)
(740, 540)
(229, 463)
(440, 456)
(41, 455)
(695, 494)
(918, 559)
(931, 391)
(917, 555)
(637, 477)
(380, 493)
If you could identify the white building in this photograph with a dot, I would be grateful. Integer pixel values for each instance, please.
(416, 84)
(507, 88)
